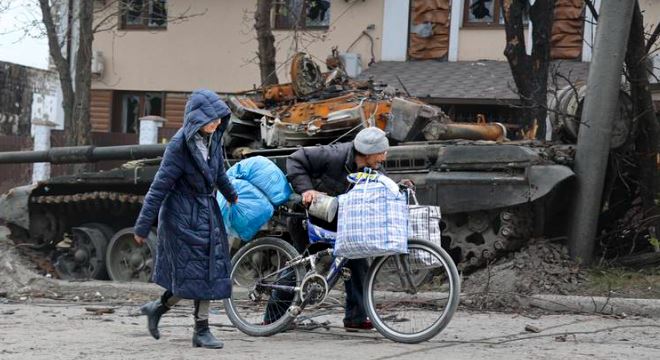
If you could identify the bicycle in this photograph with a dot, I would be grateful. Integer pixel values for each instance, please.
(269, 273)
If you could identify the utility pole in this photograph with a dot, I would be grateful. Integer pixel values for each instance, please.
(601, 102)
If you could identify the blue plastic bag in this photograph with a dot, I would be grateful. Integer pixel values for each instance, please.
(251, 212)
(265, 175)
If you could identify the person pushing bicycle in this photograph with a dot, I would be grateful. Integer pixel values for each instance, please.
(323, 170)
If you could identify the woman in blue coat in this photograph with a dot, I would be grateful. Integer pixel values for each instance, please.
(192, 261)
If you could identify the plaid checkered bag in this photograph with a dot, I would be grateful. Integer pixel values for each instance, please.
(373, 219)
(424, 224)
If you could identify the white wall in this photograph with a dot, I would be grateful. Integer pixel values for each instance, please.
(395, 30)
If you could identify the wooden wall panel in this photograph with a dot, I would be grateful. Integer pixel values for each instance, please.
(436, 46)
(567, 29)
(100, 110)
(175, 104)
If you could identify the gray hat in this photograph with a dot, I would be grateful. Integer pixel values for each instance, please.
(371, 140)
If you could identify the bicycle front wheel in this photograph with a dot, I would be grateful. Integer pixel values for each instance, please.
(256, 307)
(410, 298)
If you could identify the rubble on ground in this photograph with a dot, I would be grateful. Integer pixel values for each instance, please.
(20, 280)
(541, 267)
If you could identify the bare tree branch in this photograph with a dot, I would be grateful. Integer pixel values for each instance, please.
(266, 42)
(653, 38)
(61, 64)
(530, 72)
(592, 9)
(646, 143)
(110, 20)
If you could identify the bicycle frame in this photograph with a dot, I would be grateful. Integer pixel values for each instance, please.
(317, 235)
(308, 279)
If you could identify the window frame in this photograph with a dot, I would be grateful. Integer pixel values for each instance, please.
(145, 15)
(276, 23)
(119, 123)
(488, 25)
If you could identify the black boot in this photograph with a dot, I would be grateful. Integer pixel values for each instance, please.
(202, 336)
(154, 310)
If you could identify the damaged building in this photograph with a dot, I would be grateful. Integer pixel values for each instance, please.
(436, 82)
(445, 53)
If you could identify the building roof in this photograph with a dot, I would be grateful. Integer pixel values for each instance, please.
(467, 82)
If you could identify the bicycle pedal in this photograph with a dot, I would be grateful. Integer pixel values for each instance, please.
(345, 274)
(294, 310)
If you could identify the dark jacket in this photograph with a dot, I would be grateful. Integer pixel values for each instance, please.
(322, 168)
(193, 258)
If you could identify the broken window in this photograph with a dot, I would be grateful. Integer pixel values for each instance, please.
(487, 13)
(302, 14)
(143, 14)
(130, 114)
(130, 107)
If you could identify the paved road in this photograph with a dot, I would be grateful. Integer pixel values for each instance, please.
(52, 330)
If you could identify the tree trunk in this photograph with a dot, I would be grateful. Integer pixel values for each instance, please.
(530, 72)
(81, 125)
(62, 66)
(266, 42)
(75, 100)
(646, 143)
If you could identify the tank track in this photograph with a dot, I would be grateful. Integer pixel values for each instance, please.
(472, 238)
(475, 238)
(51, 215)
(99, 197)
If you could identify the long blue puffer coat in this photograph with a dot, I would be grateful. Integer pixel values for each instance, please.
(193, 258)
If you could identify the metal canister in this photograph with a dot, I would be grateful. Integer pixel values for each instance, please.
(324, 207)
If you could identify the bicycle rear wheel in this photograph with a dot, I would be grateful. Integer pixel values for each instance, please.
(254, 308)
(410, 298)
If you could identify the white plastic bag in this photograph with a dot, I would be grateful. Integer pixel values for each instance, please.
(424, 224)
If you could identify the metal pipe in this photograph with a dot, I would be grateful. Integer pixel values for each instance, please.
(81, 154)
(600, 106)
(468, 131)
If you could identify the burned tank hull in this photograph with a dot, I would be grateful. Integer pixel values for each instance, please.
(493, 197)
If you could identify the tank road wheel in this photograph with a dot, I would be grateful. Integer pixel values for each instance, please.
(127, 261)
(103, 228)
(85, 259)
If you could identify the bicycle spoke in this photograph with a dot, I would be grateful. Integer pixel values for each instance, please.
(262, 286)
(411, 297)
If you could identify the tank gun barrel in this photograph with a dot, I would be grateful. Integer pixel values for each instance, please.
(83, 154)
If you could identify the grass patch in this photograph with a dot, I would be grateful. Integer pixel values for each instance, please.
(623, 282)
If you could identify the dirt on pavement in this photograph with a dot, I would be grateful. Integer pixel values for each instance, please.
(65, 330)
(544, 267)
(46, 318)
(539, 267)
(20, 280)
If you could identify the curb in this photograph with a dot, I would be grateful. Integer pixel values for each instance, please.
(597, 304)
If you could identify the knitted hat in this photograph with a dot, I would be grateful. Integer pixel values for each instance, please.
(371, 140)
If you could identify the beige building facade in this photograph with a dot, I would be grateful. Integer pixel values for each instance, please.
(216, 47)
(149, 64)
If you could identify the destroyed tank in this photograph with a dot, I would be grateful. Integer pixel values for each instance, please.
(494, 194)
(493, 197)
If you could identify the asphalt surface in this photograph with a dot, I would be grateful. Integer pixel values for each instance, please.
(68, 330)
